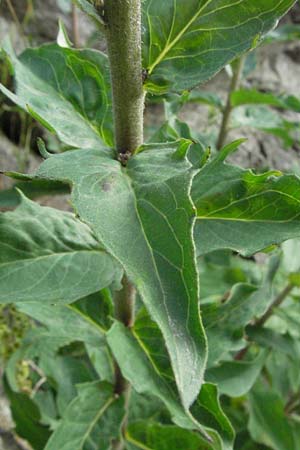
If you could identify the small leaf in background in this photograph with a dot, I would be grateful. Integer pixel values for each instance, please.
(49, 256)
(185, 44)
(236, 378)
(59, 326)
(284, 33)
(26, 415)
(87, 7)
(268, 423)
(10, 198)
(57, 86)
(252, 96)
(224, 322)
(92, 420)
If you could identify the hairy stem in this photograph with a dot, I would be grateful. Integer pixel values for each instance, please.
(277, 302)
(124, 312)
(234, 85)
(123, 32)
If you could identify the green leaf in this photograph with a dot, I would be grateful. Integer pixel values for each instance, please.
(58, 85)
(252, 96)
(87, 7)
(242, 211)
(148, 370)
(187, 43)
(224, 322)
(27, 416)
(144, 217)
(268, 423)
(48, 256)
(10, 198)
(153, 436)
(60, 325)
(92, 420)
(268, 338)
(284, 33)
(236, 378)
(264, 119)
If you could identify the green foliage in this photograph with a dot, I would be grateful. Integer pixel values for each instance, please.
(165, 219)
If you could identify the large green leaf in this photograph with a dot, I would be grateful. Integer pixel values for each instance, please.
(148, 370)
(49, 256)
(186, 43)
(92, 420)
(242, 211)
(67, 90)
(143, 215)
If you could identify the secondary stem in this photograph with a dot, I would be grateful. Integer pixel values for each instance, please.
(277, 302)
(260, 322)
(123, 31)
(75, 26)
(234, 85)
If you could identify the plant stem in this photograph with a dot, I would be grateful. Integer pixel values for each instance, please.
(277, 302)
(123, 32)
(75, 27)
(16, 19)
(124, 312)
(260, 322)
(234, 85)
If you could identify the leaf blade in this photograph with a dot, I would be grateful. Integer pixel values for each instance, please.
(201, 35)
(151, 237)
(48, 255)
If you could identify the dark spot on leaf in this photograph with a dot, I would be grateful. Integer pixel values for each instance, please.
(106, 186)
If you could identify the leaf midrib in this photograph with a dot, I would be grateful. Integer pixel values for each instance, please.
(59, 254)
(171, 44)
(95, 420)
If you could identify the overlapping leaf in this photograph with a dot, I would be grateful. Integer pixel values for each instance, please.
(92, 420)
(143, 215)
(236, 378)
(66, 90)
(239, 210)
(142, 435)
(148, 370)
(268, 423)
(224, 322)
(48, 256)
(186, 43)
(10, 198)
